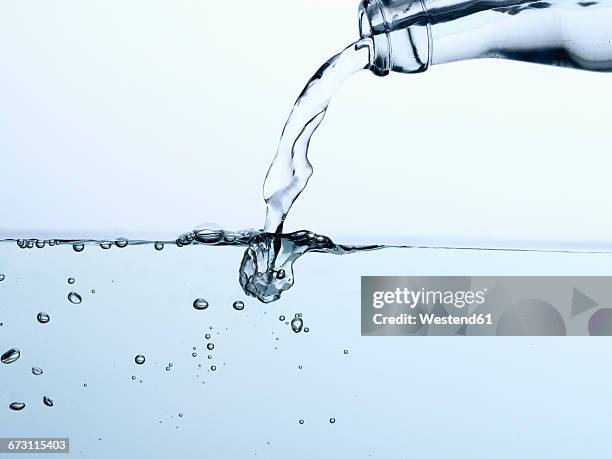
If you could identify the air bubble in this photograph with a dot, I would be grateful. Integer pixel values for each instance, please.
(280, 274)
(139, 359)
(297, 324)
(17, 406)
(345, 351)
(106, 245)
(78, 247)
(200, 304)
(40, 244)
(194, 354)
(332, 420)
(43, 317)
(301, 421)
(2, 277)
(281, 318)
(36, 371)
(74, 298)
(10, 356)
(71, 280)
(47, 401)
(238, 305)
(213, 368)
(210, 346)
(121, 242)
(159, 246)
(207, 336)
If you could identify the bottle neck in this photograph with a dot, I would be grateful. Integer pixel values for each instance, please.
(411, 35)
(400, 32)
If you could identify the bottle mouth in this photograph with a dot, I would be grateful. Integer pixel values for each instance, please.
(372, 24)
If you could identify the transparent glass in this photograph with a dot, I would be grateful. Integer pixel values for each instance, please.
(410, 35)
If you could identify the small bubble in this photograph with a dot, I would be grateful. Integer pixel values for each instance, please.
(121, 242)
(280, 274)
(17, 406)
(209, 356)
(43, 317)
(297, 324)
(74, 298)
(30, 244)
(306, 330)
(207, 336)
(93, 290)
(84, 384)
(195, 354)
(133, 378)
(170, 364)
(210, 346)
(71, 280)
(301, 421)
(40, 244)
(36, 371)
(10, 356)
(300, 367)
(2, 277)
(281, 318)
(167, 368)
(106, 245)
(238, 305)
(159, 246)
(213, 368)
(180, 415)
(139, 359)
(78, 247)
(200, 304)
(21, 243)
(47, 401)
(332, 420)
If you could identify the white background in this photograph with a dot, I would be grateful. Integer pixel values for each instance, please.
(147, 118)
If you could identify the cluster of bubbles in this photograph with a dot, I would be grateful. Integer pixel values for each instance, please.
(38, 243)
(79, 246)
(201, 304)
(297, 323)
(11, 356)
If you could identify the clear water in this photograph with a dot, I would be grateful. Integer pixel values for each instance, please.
(291, 169)
(267, 391)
